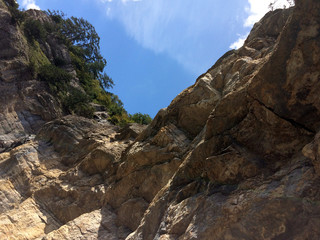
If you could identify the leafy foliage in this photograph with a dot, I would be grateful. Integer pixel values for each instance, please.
(34, 30)
(82, 34)
(17, 16)
(37, 58)
(57, 16)
(83, 42)
(73, 100)
(84, 48)
(56, 77)
(78, 102)
(141, 118)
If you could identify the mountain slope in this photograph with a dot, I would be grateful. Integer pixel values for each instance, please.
(234, 156)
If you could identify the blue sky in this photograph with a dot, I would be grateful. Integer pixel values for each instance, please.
(157, 48)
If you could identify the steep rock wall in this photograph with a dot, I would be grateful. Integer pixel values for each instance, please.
(235, 156)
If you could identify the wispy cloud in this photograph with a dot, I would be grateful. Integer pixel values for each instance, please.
(183, 29)
(239, 43)
(125, 1)
(104, 1)
(30, 4)
(256, 10)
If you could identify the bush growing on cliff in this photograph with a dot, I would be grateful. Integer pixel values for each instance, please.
(76, 101)
(17, 16)
(36, 59)
(73, 100)
(54, 75)
(141, 118)
(118, 115)
(84, 48)
(82, 42)
(34, 30)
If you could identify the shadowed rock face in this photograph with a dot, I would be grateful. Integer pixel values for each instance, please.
(235, 156)
(25, 103)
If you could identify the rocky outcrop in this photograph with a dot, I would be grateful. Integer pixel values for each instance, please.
(25, 102)
(235, 156)
(246, 176)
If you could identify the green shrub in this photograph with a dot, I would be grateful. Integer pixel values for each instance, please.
(83, 43)
(120, 120)
(91, 85)
(141, 118)
(17, 16)
(56, 15)
(84, 110)
(34, 30)
(54, 76)
(78, 102)
(59, 62)
(36, 58)
(49, 27)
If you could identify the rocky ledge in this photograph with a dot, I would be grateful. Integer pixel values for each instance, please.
(235, 156)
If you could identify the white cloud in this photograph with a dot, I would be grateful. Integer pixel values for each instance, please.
(125, 1)
(30, 4)
(108, 12)
(239, 43)
(187, 31)
(182, 29)
(258, 8)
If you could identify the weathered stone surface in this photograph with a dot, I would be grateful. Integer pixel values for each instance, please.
(312, 151)
(232, 166)
(235, 156)
(42, 191)
(245, 176)
(99, 224)
(131, 131)
(25, 103)
(27, 221)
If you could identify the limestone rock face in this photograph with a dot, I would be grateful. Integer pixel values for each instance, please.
(235, 156)
(25, 103)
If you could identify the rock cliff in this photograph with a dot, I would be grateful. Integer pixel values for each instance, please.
(234, 156)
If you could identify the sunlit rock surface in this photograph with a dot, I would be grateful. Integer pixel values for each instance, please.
(235, 156)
